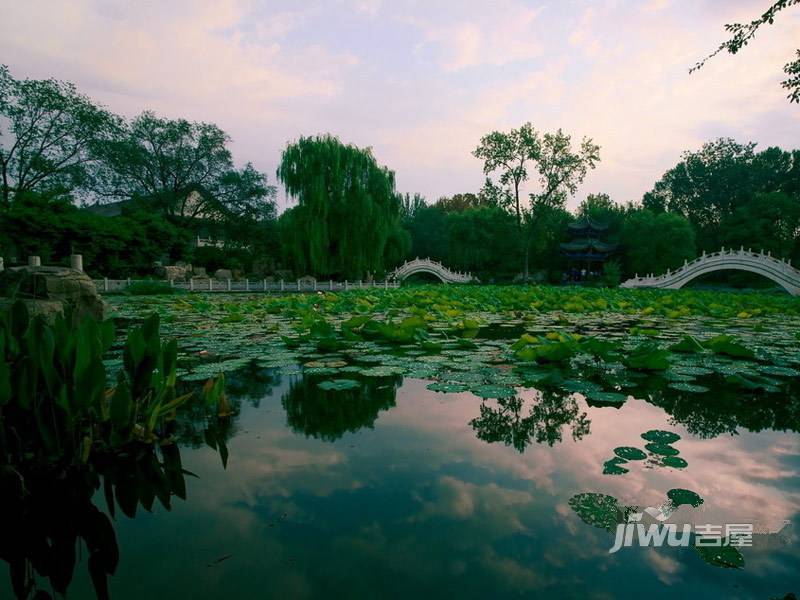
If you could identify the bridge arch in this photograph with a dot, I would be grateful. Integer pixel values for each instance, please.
(778, 271)
(431, 267)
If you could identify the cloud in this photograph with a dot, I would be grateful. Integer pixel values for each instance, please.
(497, 37)
(421, 82)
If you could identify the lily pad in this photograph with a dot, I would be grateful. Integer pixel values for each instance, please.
(598, 510)
(726, 557)
(689, 387)
(630, 453)
(606, 397)
(338, 384)
(662, 449)
(439, 386)
(612, 466)
(680, 496)
(493, 391)
(660, 436)
(676, 462)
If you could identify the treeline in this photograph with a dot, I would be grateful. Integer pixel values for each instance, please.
(161, 182)
(154, 185)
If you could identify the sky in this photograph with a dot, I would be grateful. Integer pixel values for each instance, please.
(421, 81)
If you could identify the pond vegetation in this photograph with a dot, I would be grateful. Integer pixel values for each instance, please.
(530, 371)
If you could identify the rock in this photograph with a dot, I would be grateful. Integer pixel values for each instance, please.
(48, 291)
(307, 280)
(199, 272)
(223, 274)
(177, 272)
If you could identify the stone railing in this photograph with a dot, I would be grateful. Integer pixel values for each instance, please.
(426, 265)
(196, 284)
(779, 271)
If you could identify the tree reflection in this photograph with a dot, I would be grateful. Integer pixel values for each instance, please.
(248, 385)
(46, 511)
(725, 409)
(507, 420)
(329, 414)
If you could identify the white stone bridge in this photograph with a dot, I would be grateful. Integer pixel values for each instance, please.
(779, 271)
(432, 267)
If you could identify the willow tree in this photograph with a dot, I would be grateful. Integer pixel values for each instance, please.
(347, 207)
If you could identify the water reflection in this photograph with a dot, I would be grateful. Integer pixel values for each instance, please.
(329, 414)
(726, 410)
(47, 513)
(518, 423)
(301, 513)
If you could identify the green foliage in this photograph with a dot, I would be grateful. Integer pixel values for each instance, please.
(612, 273)
(743, 33)
(154, 287)
(347, 208)
(560, 171)
(182, 169)
(51, 135)
(55, 406)
(734, 196)
(655, 242)
(122, 246)
(648, 357)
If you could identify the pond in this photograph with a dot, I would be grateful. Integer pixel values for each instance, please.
(456, 460)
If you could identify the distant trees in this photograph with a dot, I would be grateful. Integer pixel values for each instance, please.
(182, 169)
(462, 202)
(49, 135)
(52, 227)
(559, 167)
(507, 154)
(347, 208)
(653, 242)
(735, 196)
(57, 146)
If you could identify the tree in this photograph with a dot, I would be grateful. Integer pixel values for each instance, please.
(654, 242)
(560, 170)
(743, 34)
(509, 154)
(602, 209)
(121, 246)
(347, 206)
(429, 233)
(48, 135)
(461, 202)
(770, 222)
(409, 205)
(714, 184)
(175, 164)
(481, 240)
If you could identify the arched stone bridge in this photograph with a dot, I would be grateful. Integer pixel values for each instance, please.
(426, 265)
(779, 271)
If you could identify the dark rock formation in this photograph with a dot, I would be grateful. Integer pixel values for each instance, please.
(51, 290)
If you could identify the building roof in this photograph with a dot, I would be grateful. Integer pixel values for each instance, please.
(587, 245)
(110, 209)
(586, 224)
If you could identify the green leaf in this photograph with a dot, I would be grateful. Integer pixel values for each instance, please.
(648, 357)
(687, 344)
(726, 344)
(726, 557)
(660, 436)
(630, 453)
(121, 405)
(679, 497)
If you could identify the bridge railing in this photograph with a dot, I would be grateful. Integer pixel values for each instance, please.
(106, 285)
(779, 268)
(432, 265)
